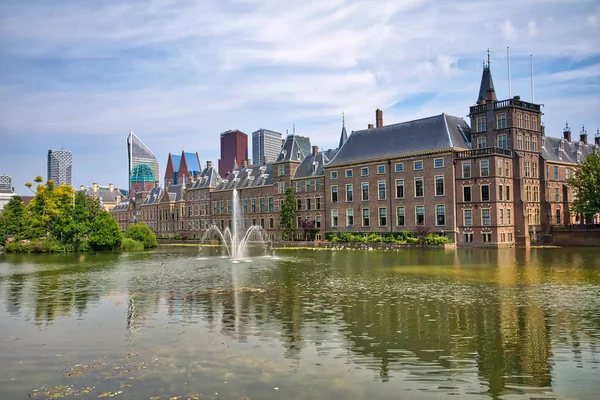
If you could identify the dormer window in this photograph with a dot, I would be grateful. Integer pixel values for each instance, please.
(299, 154)
(248, 173)
(315, 165)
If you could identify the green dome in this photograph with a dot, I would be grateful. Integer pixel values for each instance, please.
(142, 173)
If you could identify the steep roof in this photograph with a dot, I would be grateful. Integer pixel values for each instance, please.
(486, 83)
(122, 205)
(104, 194)
(153, 196)
(248, 177)
(192, 161)
(561, 150)
(312, 165)
(176, 162)
(208, 178)
(343, 136)
(290, 151)
(438, 132)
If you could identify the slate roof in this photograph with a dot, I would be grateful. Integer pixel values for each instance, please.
(248, 177)
(290, 151)
(153, 196)
(208, 178)
(122, 205)
(175, 192)
(104, 194)
(552, 151)
(343, 137)
(313, 165)
(486, 83)
(438, 132)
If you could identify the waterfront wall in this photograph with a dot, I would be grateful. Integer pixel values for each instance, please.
(575, 238)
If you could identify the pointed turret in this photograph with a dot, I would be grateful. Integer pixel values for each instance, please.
(235, 164)
(343, 135)
(486, 89)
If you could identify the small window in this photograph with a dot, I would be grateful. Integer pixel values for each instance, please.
(400, 216)
(420, 215)
(381, 185)
(334, 218)
(348, 173)
(440, 215)
(485, 192)
(485, 217)
(418, 187)
(399, 167)
(383, 216)
(438, 163)
(468, 217)
(365, 217)
(485, 168)
(365, 191)
(501, 121)
(349, 217)
(466, 170)
(334, 194)
(381, 169)
(399, 188)
(364, 171)
(418, 165)
(333, 174)
(467, 194)
(439, 185)
(481, 142)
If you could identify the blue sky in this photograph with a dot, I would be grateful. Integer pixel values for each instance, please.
(80, 74)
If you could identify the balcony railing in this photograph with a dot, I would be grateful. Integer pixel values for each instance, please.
(505, 103)
(484, 152)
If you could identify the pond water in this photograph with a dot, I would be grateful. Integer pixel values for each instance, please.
(414, 324)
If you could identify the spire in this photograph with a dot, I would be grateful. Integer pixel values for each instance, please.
(343, 135)
(487, 83)
(235, 164)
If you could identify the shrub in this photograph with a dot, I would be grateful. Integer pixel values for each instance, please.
(131, 244)
(435, 240)
(142, 233)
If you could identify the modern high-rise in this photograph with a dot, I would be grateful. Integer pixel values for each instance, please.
(265, 143)
(60, 166)
(5, 182)
(234, 150)
(143, 165)
(304, 144)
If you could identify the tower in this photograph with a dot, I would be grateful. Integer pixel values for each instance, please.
(60, 166)
(234, 145)
(265, 143)
(143, 166)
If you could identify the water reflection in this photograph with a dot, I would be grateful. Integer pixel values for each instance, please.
(467, 322)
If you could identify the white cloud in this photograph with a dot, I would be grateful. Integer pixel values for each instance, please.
(509, 32)
(532, 29)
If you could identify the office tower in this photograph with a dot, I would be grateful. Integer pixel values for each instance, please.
(143, 166)
(5, 182)
(60, 165)
(265, 143)
(180, 168)
(304, 143)
(234, 150)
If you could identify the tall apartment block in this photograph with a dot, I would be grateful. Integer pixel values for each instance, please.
(143, 166)
(265, 143)
(304, 144)
(5, 182)
(60, 166)
(234, 150)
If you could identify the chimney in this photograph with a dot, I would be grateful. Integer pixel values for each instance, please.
(567, 133)
(244, 163)
(370, 126)
(282, 142)
(95, 186)
(111, 187)
(315, 150)
(81, 187)
(208, 164)
(583, 135)
(597, 138)
(378, 118)
(265, 160)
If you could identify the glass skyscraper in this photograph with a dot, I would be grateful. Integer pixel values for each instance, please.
(143, 166)
(60, 166)
(265, 143)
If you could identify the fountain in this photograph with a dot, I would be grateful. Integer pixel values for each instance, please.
(235, 240)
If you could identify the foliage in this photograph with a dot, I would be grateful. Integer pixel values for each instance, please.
(131, 244)
(435, 240)
(105, 233)
(421, 231)
(393, 238)
(46, 245)
(586, 184)
(309, 229)
(142, 233)
(286, 215)
(14, 221)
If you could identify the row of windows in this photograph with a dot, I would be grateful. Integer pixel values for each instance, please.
(531, 169)
(533, 216)
(382, 214)
(419, 190)
(525, 122)
(486, 237)
(308, 204)
(556, 176)
(484, 168)
(532, 193)
(309, 185)
(504, 215)
(398, 167)
(530, 143)
(248, 205)
(484, 193)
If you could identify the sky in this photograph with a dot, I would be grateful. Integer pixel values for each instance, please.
(79, 75)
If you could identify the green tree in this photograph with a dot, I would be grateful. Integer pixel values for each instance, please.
(14, 220)
(286, 215)
(105, 233)
(586, 184)
(142, 233)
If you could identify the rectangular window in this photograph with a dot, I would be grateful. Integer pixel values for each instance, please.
(501, 216)
(381, 169)
(466, 170)
(485, 192)
(381, 186)
(468, 237)
(334, 218)
(438, 163)
(253, 205)
(281, 187)
(527, 142)
(555, 173)
(500, 187)
(299, 204)
(271, 223)
(318, 221)
(556, 194)
(383, 216)
(567, 173)
(468, 217)
(307, 186)
(418, 165)
(349, 192)
(399, 188)
(485, 217)
(271, 204)
(419, 215)
(418, 187)
(318, 184)
(334, 194)
(400, 216)
(558, 220)
(485, 168)
(262, 205)
(364, 171)
(308, 204)
(527, 170)
(501, 121)
(365, 217)
(349, 217)
(245, 206)
(439, 185)
(499, 171)
(333, 174)
(467, 193)
(486, 237)
(536, 193)
(262, 223)
(534, 146)
(481, 142)
(348, 173)
(481, 124)
(281, 170)
(440, 215)
(507, 192)
(399, 167)
(365, 191)
(502, 142)
(526, 124)
(298, 186)
(534, 169)
(528, 192)
(317, 203)
(508, 216)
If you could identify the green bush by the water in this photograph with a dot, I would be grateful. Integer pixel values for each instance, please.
(131, 244)
(142, 233)
(394, 238)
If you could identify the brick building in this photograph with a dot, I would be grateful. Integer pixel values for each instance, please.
(234, 150)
